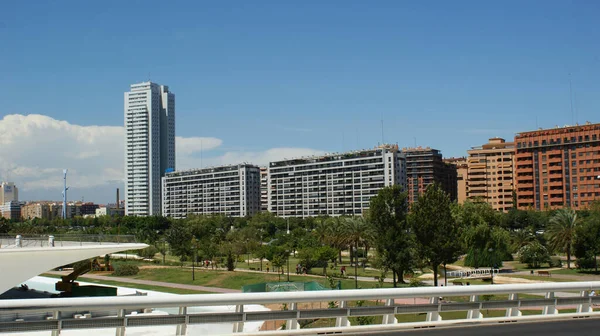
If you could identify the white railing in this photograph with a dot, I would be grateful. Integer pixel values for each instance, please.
(473, 273)
(121, 313)
(18, 241)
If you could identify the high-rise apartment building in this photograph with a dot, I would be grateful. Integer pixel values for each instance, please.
(8, 192)
(425, 166)
(461, 177)
(264, 187)
(490, 174)
(149, 146)
(558, 167)
(228, 190)
(335, 184)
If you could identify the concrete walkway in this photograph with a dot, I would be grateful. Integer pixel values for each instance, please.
(153, 283)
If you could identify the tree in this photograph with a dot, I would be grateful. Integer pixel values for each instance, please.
(486, 245)
(587, 239)
(436, 233)
(561, 231)
(392, 239)
(179, 238)
(357, 231)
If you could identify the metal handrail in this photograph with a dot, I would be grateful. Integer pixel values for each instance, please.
(278, 297)
(59, 310)
(14, 241)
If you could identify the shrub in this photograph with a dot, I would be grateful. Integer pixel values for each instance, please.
(124, 269)
(555, 262)
(534, 254)
(148, 253)
(416, 282)
(585, 263)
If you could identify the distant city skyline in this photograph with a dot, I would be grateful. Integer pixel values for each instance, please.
(270, 80)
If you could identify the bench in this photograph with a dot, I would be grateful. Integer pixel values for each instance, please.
(252, 269)
(376, 278)
(544, 273)
(457, 283)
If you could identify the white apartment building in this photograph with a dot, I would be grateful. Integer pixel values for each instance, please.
(149, 146)
(228, 190)
(334, 185)
(8, 192)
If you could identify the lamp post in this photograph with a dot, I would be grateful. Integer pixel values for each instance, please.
(355, 267)
(287, 254)
(491, 250)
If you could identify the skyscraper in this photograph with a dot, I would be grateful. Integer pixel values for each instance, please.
(149, 146)
(8, 192)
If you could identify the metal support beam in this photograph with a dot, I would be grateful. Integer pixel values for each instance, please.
(550, 310)
(512, 312)
(343, 321)
(390, 318)
(584, 307)
(475, 313)
(292, 324)
(182, 328)
(238, 327)
(434, 316)
(121, 330)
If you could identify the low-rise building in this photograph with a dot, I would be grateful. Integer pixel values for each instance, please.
(11, 210)
(110, 211)
(228, 190)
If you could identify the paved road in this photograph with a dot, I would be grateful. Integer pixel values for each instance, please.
(154, 283)
(584, 327)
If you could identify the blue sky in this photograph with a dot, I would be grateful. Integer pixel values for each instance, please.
(309, 74)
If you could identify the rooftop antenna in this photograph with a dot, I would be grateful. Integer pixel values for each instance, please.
(415, 138)
(571, 99)
(382, 138)
(200, 153)
(357, 142)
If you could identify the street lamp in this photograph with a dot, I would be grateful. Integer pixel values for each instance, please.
(493, 263)
(287, 254)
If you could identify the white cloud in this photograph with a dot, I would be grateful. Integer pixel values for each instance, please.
(34, 149)
(187, 146)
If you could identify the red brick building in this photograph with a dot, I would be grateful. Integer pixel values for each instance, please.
(558, 167)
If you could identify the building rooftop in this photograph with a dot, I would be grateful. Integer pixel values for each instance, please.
(588, 126)
(209, 170)
(334, 156)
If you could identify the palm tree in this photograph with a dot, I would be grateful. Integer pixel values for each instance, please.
(561, 231)
(357, 230)
(335, 235)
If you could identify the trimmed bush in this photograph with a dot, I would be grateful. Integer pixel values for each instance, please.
(124, 269)
(555, 262)
(585, 263)
(148, 253)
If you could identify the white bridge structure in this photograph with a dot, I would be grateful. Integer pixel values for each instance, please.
(475, 273)
(140, 315)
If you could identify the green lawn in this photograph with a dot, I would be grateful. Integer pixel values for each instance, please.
(574, 271)
(233, 280)
(538, 278)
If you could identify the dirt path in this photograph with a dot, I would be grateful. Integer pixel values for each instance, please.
(154, 283)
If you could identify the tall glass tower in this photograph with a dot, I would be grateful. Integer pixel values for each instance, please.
(149, 146)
